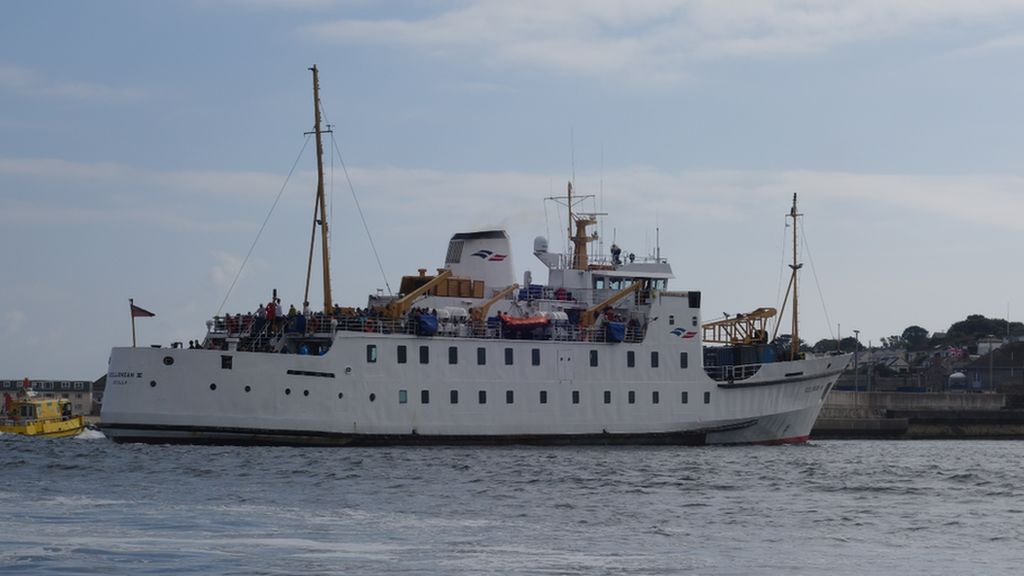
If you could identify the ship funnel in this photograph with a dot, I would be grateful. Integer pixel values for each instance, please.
(484, 255)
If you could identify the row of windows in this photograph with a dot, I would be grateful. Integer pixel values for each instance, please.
(402, 356)
(453, 397)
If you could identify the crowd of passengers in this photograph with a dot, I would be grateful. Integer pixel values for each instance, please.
(256, 329)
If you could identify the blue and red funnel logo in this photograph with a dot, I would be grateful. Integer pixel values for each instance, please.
(490, 256)
(684, 333)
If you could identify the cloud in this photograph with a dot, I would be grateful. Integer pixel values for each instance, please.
(26, 82)
(655, 40)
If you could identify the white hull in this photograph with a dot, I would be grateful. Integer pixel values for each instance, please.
(175, 395)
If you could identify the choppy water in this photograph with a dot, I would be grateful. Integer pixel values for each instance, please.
(89, 506)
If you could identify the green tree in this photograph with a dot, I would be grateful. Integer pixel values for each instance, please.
(915, 337)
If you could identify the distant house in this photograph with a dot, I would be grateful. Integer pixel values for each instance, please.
(1002, 368)
(79, 392)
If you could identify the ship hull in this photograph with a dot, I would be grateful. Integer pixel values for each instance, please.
(465, 392)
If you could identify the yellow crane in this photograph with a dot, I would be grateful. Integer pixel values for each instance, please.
(479, 313)
(590, 315)
(396, 308)
(751, 328)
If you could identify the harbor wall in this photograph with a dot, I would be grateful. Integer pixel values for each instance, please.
(901, 415)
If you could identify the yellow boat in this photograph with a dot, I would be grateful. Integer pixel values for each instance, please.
(51, 418)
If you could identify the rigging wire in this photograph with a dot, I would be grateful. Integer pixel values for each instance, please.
(782, 268)
(359, 209)
(814, 272)
(263, 226)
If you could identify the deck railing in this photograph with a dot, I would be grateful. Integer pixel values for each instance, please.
(257, 334)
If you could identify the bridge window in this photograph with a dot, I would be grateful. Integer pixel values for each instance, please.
(402, 355)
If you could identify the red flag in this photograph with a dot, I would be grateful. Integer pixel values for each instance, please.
(140, 312)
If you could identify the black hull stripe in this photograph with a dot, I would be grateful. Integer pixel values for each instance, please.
(777, 381)
(152, 434)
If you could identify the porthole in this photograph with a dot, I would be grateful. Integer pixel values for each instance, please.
(168, 360)
(305, 392)
(213, 386)
(287, 391)
(340, 395)
(152, 383)
(373, 397)
(248, 388)
(348, 369)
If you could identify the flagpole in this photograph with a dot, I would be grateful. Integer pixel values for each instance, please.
(131, 310)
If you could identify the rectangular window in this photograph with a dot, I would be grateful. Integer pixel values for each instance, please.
(632, 397)
(454, 396)
(575, 396)
(509, 397)
(543, 396)
(225, 362)
(593, 357)
(453, 355)
(508, 356)
(371, 353)
(481, 356)
(630, 359)
(482, 396)
(403, 396)
(535, 356)
(684, 360)
(707, 397)
(424, 396)
(424, 354)
(685, 398)
(655, 397)
(654, 359)
(607, 396)
(402, 356)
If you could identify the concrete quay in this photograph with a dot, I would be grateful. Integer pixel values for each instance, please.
(932, 415)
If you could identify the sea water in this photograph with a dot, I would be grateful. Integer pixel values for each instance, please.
(89, 506)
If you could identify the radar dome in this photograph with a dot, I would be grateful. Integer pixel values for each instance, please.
(540, 245)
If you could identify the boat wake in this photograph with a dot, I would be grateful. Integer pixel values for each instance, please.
(90, 434)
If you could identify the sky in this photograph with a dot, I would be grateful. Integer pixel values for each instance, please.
(145, 145)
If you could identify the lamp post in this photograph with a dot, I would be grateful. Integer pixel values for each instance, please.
(856, 355)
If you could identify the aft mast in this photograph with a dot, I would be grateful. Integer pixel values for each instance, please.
(795, 266)
(320, 208)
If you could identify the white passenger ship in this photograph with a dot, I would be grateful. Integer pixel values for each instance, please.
(603, 353)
